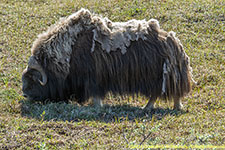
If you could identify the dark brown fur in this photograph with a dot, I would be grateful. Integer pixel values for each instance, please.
(139, 70)
(79, 56)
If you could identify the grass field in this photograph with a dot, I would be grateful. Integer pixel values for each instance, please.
(199, 24)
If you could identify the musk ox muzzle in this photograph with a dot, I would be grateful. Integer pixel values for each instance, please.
(88, 56)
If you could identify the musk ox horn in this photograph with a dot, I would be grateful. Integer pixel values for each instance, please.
(33, 64)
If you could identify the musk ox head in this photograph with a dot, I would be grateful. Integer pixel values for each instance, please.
(34, 81)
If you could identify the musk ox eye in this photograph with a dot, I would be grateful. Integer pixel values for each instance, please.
(34, 78)
(29, 76)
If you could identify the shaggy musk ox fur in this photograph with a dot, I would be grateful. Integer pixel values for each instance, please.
(88, 56)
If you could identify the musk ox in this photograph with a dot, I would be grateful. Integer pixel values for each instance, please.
(88, 56)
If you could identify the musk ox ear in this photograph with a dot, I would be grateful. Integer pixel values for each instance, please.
(33, 64)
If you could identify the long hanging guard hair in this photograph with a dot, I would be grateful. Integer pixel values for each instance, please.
(121, 57)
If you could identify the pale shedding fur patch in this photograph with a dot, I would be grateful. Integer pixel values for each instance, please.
(118, 35)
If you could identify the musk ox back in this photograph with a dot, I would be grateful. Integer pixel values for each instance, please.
(88, 56)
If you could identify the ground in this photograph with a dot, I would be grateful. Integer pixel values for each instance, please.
(121, 124)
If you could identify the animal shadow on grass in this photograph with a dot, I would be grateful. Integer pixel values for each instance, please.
(72, 112)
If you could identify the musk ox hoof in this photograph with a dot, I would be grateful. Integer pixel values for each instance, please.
(149, 108)
(178, 107)
(151, 105)
(177, 104)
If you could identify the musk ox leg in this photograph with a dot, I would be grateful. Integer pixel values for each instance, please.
(97, 102)
(177, 104)
(150, 105)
